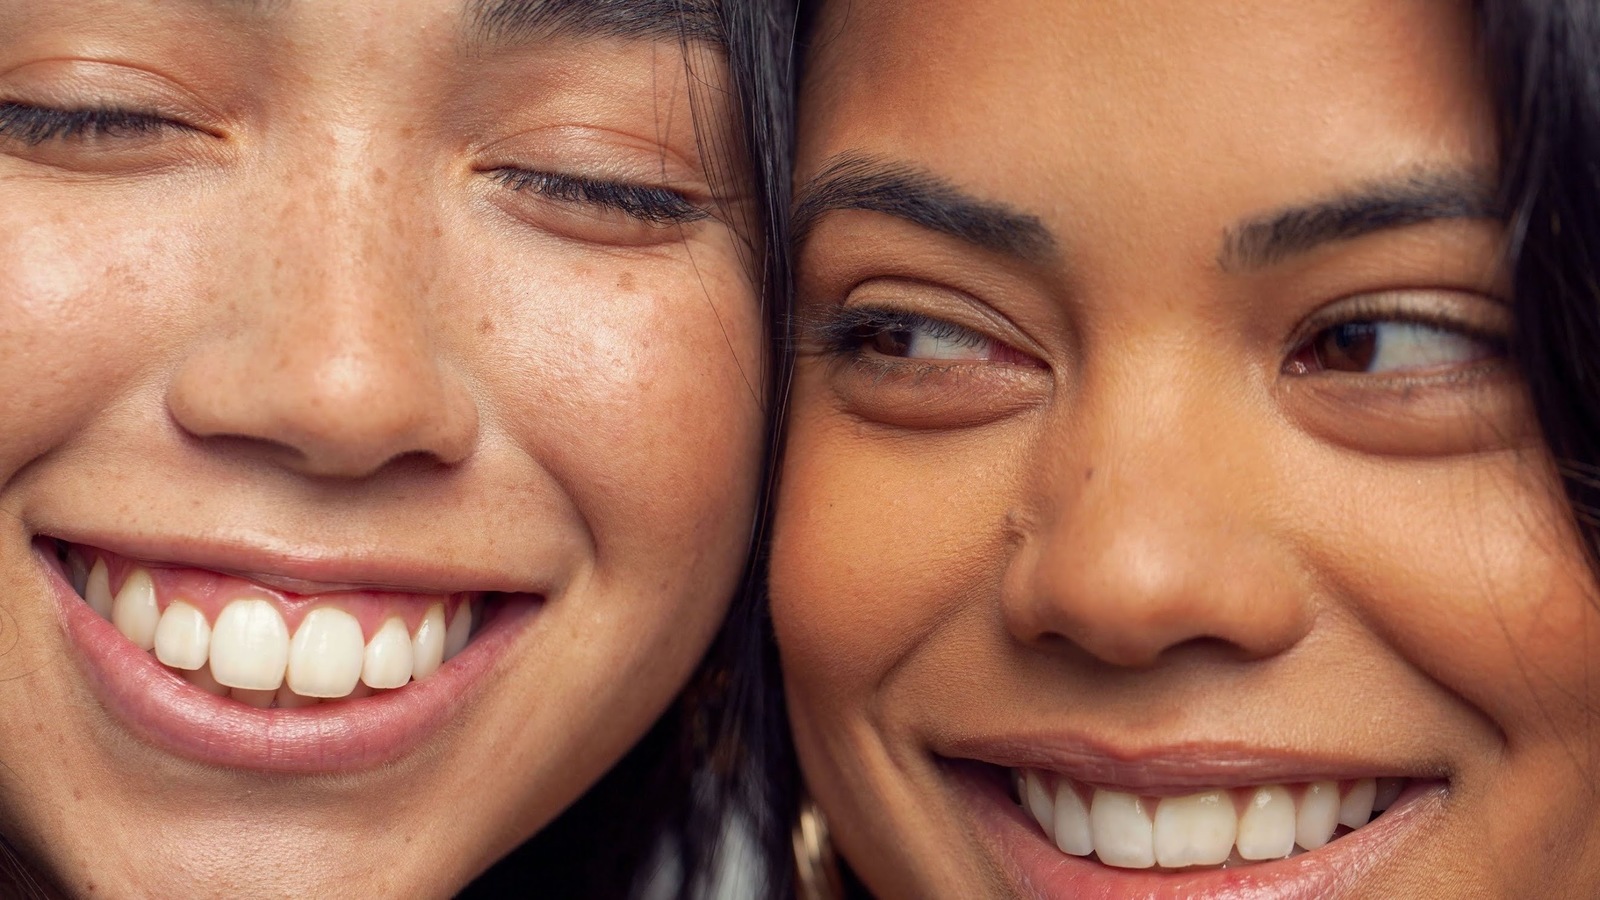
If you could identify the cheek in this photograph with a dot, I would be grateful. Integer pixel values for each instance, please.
(86, 303)
(1478, 582)
(874, 550)
(638, 384)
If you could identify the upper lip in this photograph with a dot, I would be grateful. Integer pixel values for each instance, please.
(307, 569)
(1175, 768)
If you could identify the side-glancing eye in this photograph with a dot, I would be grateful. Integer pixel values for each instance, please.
(652, 205)
(895, 334)
(1379, 347)
(37, 125)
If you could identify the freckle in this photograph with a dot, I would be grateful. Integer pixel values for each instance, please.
(486, 325)
(1088, 474)
(381, 176)
(625, 281)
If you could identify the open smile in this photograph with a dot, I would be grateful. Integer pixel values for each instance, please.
(1283, 837)
(239, 671)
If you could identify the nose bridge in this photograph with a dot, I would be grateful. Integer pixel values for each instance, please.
(351, 272)
(1152, 524)
(333, 350)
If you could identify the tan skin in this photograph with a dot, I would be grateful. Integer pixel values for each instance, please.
(1143, 502)
(312, 321)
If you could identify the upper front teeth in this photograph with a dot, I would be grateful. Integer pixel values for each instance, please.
(249, 648)
(1204, 829)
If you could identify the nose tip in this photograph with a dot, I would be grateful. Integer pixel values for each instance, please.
(345, 414)
(1130, 595)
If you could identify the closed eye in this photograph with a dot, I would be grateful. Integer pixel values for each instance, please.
(653, 205)
(36, 125)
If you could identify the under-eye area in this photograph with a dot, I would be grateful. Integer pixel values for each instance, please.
(269, 648)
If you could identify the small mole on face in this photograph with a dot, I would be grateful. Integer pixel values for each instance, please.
(625, 281)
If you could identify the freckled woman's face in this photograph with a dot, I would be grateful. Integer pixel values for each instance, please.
(1158, 502)
(381, 430)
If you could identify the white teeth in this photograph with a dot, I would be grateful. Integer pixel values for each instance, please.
(427, 645)
(1356, 810)
(1197, 830)
(1124, 836)
(134, 611)
(455, 637)
(325, 655)
(387, 659)
(1039, 802)
(97, 589)
(1072, 833)
(183, 637)
(201, 678)
(248, 653)
(1266, 830)
(1318, 816)
(249, 646)
(1388, 791)
(1211, 828)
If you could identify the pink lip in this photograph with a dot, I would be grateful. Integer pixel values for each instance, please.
(176, 716)
(1170, 769)
(302, 571)
(1043, 871)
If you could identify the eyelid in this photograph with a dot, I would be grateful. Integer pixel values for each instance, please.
(83, 84)
(1424, 308)
(653, 205)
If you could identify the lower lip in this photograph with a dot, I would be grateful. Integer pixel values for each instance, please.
(1045, 872)
(157, 705)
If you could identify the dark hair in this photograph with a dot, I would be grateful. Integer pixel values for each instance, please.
(1543, 59)
(666, 809)
(1543, 62)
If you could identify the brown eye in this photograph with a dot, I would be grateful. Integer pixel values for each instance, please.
(1376, 347)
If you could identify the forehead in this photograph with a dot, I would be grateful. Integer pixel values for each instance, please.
(1047, 104)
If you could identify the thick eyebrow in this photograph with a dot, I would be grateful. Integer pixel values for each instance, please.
(851, 181)
(499, 22)
(1412, 200)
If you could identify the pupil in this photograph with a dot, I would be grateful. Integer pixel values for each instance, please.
(1350, 347)
(888, 341)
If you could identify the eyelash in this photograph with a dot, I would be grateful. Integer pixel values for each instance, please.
(1383, 309)
(846, 330)
(35, 125)
(655, 205)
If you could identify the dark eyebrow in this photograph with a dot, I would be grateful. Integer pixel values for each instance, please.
(1270, 239)
(493, 22)
(851, 181)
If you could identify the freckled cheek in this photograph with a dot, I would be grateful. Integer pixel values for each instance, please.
(648, 392)
(90, 298)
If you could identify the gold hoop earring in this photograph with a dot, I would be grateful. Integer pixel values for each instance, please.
(816, 869)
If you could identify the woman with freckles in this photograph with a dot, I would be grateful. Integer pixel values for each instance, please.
(385, 407)
(1190, 486)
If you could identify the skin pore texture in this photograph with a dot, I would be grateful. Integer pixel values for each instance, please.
(1152, 434)
(360, 305)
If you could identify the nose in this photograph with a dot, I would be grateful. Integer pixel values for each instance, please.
(1150, 530)
(325, 348)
